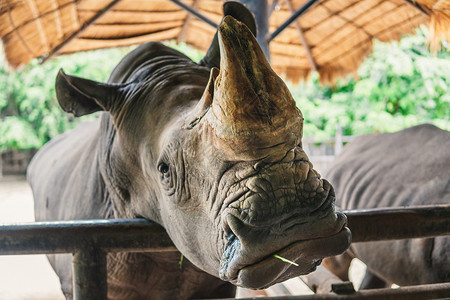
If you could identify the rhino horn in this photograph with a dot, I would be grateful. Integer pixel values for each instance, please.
(252, 108)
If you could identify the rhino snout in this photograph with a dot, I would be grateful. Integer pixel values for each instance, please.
(276, 196)
(277, 214)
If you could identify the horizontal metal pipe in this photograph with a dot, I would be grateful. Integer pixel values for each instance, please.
(382, 224)
(142, 235)
(68, 236)
(427, 291)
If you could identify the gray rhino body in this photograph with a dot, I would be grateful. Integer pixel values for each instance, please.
(214, 156)
(70, 182)
(406, 168)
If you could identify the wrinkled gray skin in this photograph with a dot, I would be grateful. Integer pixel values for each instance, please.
(410, 167)
(98, 171)
(156, 153)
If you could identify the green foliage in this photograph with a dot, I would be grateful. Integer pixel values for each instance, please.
(190, 52)
(180, 262)
(29, 112)
(17, 134)
(400, 85)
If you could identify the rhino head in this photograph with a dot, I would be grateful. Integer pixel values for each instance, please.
(214, 155)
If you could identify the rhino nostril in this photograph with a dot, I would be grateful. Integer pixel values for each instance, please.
(317, 262)
(234, 223)
(237, 227)
(226, 228)
(341, 219)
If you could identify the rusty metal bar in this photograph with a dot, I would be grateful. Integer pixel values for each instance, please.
(142, 235)
(398, 223)
(195, 13)
(299, 12)
(90, 240)
(419, 292)
(69, 236)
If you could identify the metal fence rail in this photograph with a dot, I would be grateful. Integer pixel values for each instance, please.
(90, 240)
(382, 224)
(419, 292)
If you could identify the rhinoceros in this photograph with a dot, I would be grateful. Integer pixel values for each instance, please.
(409, 167)
(211, 151)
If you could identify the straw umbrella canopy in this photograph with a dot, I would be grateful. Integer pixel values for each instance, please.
(329, 36)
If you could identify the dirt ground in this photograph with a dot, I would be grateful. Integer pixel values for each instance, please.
(30, 277)
(23, 277)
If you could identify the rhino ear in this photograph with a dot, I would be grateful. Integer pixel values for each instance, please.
(82, 96)
(240, 13)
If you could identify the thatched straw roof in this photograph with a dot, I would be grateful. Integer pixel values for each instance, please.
(333, 36)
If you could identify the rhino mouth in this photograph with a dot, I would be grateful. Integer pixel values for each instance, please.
(248, 259)
(306, 254)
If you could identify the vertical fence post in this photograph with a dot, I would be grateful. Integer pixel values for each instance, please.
(89, 274)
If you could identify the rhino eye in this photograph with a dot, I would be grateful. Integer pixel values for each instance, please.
(163, 169)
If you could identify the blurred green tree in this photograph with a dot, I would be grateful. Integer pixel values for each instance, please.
(400, 84)
(29, 113)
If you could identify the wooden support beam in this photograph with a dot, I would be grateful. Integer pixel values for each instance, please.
(423, 10)
(57, 17)
(195, 13)
(80, 30)
(309, 55)
(14, 27)
(299, 12)
(37, 20)
(17, 32)
(182, 36)
(75, 19)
